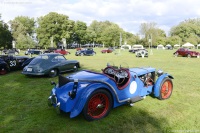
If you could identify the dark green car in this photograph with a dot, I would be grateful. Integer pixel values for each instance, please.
(50, 64)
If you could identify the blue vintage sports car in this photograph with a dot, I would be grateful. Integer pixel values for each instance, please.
(87, 51)
(95, 94)
(50, 64)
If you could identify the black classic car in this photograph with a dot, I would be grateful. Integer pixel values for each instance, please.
(50, 64)
(13, 51)
(33, 52)
(86, 51)
(11, 62)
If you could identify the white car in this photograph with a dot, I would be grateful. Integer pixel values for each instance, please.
(141, 53)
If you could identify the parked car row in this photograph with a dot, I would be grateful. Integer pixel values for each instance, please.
(92, 93)
(50, 50)
(50, 64)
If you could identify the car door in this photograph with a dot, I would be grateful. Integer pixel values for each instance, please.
(183, 52)
(64, 64)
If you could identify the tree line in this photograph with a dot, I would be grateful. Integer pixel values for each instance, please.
(51, 29)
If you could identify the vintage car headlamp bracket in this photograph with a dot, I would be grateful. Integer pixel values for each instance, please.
(53, 83)
(72, 93)
(159, 73)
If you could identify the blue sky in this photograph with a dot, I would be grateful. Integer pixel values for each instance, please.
(128, 14)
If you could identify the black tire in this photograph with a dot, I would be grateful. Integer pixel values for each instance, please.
(166, 88)
(3, 71)
(98, 105)
(53, 73)
(176, 55)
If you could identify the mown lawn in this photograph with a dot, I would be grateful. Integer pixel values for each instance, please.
(23, 106)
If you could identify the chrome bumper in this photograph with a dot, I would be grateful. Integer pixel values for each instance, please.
(52, 100)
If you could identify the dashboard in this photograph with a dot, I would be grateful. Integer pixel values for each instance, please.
(119, 73)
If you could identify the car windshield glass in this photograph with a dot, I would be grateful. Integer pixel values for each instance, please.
(39, 59)
(58, 58)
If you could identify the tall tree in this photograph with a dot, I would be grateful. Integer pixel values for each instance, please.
(188, 31)
(131, 38)
(106, 33)
(151, 31)
(22, 29)
(80, 32)
(173, 40)
(5, 35)
(56, 26)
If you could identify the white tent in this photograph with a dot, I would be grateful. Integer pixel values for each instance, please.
(177, 46)
(168, 45)
(188, 45)
(198, 46)
(160, 46)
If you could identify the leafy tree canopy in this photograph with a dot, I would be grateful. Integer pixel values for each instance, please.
(56, 27)
(188, 31)
(5, 35)
(22, 29)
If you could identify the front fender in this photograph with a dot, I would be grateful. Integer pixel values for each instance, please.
(158, 82)
(84, 97)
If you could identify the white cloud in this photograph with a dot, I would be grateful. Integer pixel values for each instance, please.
(128, 14)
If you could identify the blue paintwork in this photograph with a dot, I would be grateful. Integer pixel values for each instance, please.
(135, 88)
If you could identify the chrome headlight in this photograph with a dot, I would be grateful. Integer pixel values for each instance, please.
(159, 72)
(54, 99)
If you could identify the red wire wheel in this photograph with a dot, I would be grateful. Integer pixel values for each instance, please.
(98, 105)
(166, 88)
(3, 71)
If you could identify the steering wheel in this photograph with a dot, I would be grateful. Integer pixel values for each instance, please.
(148, 81)
(120, 76)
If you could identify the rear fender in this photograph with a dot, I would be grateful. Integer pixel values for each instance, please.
(84, 97)
(158, 82)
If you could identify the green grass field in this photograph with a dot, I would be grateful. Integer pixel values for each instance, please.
(23, 106)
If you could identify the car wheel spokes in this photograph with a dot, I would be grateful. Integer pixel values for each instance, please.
(166, 89)
(98, 105)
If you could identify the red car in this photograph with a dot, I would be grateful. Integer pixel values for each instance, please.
(109, 50)
(62, 51)
(186, 52)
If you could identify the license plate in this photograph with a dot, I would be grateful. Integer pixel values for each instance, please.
(29, 69)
